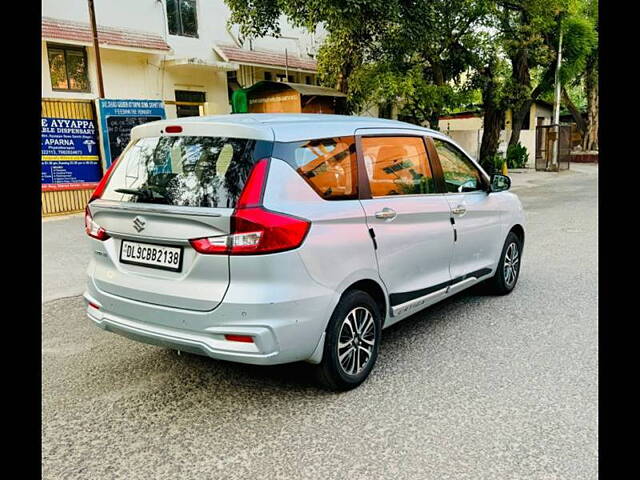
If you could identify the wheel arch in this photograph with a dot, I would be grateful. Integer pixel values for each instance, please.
(519, 231)
(374, 289)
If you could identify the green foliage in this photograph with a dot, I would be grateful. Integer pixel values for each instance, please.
(579, 40)
(517, 156)
(430, 57)
(497, 162)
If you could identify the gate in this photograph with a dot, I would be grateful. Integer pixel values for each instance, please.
(60, 199)
(545, 136)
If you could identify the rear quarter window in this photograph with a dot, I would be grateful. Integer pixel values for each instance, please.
(328, 165)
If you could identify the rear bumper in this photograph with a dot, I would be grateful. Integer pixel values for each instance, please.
(282, 332)
(264, 350)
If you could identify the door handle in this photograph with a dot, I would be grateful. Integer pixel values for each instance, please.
(386, 214)
(459, 210)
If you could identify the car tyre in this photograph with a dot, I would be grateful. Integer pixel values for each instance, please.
(351, 342)
(508, 271)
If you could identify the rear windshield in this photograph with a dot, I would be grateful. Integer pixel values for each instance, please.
(185, 171)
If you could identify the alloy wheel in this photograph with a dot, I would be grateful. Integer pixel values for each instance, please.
(356, 340)
(511, 264)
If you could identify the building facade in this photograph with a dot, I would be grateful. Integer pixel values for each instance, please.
(180, 55)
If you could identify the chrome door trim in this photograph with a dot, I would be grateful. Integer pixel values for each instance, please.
(417, 302)
(456, 287)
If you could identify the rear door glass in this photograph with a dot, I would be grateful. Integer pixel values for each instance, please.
(185, 171)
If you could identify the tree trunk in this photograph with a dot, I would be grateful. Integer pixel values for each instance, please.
(517, 118)
(575, 113)
(434, 119)
(492, 121)
(521, 76)
(490, 137)
(590, 139)
(439, 80)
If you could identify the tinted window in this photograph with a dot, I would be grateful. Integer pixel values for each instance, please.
(328, 165)
(397, 166)
(68, 68)
(460, 175)
(185, 171)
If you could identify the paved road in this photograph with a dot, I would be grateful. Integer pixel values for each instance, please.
(476, 387)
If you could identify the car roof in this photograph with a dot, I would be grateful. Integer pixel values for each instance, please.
(284, 127)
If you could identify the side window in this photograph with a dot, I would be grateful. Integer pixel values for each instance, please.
(397, 166)
(328, 165)
(460, 175)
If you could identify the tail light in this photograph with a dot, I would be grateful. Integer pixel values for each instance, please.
(239, 338)
(97, 193)
(92, 228)
(254, 229)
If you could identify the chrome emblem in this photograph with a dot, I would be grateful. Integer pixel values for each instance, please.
(139, 223)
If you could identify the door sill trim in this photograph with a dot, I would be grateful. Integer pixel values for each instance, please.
(417, 302)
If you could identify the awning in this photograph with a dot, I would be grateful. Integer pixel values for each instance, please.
(193, 62)
(79, 33)
(264, 58)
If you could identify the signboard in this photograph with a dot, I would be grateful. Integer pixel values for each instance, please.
(69, 149)
(118, 117)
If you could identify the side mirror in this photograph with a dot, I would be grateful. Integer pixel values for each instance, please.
(500, 183)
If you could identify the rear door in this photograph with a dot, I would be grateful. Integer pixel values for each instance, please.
(165, 191)
(408, 216)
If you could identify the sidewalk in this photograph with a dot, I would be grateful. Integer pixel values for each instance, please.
(65, 256)
(528, 177)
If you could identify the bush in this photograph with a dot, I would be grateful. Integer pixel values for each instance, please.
(498, 161)
(517, 156)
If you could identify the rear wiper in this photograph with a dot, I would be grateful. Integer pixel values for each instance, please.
(142, 192)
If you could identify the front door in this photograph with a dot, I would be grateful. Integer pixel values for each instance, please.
(475, 213)
(409, 220)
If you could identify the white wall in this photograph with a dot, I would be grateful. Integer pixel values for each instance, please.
(451, 124)
(470, 141)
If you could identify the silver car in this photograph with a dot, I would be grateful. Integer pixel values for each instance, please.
(268, 239)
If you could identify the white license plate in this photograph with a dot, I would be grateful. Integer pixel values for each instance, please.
(149, 255)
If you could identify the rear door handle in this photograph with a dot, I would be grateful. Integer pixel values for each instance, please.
(386, 214)
(459, 210)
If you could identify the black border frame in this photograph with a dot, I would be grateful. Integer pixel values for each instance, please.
(178, 269)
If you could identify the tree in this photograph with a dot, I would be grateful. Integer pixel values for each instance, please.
(579, 43)
(524, 27)
(408, 53)
(493, 84)
(530, 31)
(590, 137)
(427, 53)
(352, 28)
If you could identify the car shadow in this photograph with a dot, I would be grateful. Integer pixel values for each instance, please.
(300, 376)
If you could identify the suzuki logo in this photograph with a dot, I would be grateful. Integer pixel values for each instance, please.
(139, 223)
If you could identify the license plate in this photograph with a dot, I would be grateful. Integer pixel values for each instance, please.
(150, 255)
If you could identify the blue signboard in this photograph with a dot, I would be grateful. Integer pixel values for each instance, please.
(118, 117)
(69, 151)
